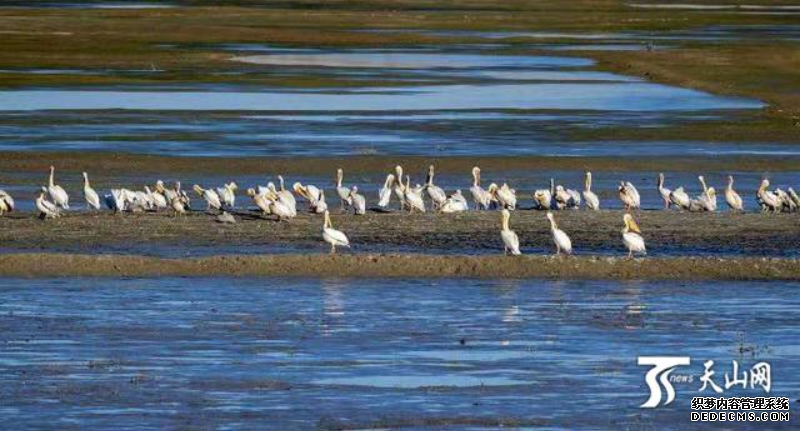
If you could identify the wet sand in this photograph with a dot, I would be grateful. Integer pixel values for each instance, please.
(681, 245)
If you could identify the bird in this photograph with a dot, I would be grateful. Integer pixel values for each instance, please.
(159, 200)
(629, 195)
(455, 203)
(560, 237)
(510, 238)
(399, 188)
(57, 193)
(211, 197)
(768, 200)
(6, 202)
(227, 194)
(179, 204)
(663, 191)
(321, 206)
(732, 198)
(480, 196)
(680, 199)
(332, 236)
(385, 193)
(707, 201)
(437, 195)
(413, 197)
(92, 199)
(343, 192)
(260, 200)
(506, 196)
(278, 206)
(631, 236)
(286, 196)
(311, 193)
(543, 198)
(591, 199)
(46, 208)
(359, 203)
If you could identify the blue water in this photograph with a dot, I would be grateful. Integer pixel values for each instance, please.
(355, 354)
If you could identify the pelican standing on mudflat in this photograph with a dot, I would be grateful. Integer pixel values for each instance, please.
(211, 197)
(510, 238)
(57, 193)
(629, 195)
(227, 194)
(437, 195)
(6, 202)
(385, 193)
(591, 199)
(358, 201)
(332, 236)
(92, 198)
(46, 208)
(481, 197)
(732, 198)
(663, 191)
(343, 192)
(560, 237)
(399, 188)
(631, 237)
(413, 197)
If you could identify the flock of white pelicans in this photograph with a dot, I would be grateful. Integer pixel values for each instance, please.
(52, 199)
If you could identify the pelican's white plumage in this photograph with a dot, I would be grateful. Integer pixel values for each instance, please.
(437, 195)
(631, 237)
(591, 199)
(342, 191)
(680, 199)
(481, 197)
(664, 192)
(399, 187)
(506, 197)
(385, 193)
(92, 198)
(560, 237)
(510, 238)
(46, 208)
(57, 193)
(629, 195)
(455, 203)
(332, 236)
(260, 200)
(6, 202)
(358, 200)
(210, 196)
(732, 198)
(413, 197)
(227, 194)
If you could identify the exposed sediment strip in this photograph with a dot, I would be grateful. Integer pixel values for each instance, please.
(401, 265)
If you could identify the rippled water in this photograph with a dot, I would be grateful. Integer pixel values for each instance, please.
(351, 354)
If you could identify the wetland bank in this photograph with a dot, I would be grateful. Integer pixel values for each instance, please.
(148, 321)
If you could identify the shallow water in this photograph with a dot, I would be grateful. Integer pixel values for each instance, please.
(355, 354)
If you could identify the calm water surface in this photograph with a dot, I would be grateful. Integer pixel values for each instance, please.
(345, 354)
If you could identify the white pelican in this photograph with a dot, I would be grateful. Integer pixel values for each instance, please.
(732, 198)
(481, 197)
(563, 199)
(227, 194)
(455, 203)
(680, 199)
(159, 200)
(332, 236)
(385, 194)
(787, 204)
(631, 237)
(399, 188)
(7, 202)
(629, 195)
(767, 199)
(413, 197)
(56, 192)
(510, 238)
(179, 204)
(543, 199)
(592, 201)
(92, 199)
(794, 197)
(664, 192)
(46, 208)
(708, 200)
(435, 192)
(286, 195)
(559, 236)
(321, 206)
(211, 197)
(359, 202)
(279, 207)
(260, 200)
(343, 192)
(311, 193)
(506, 197)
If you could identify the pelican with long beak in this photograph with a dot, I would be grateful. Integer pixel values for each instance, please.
(560, 237)
(321, 206)
(332, 236)
(591, 199)
(279, 207)
(767, 199)
(413, 197)
(92, 198)
(260, 200)
(481, 197)
(631, 237)
(6, 202)
(311, 193)
(455, 203)
(708, 200)
(359, 202)
(437, 195)
(286, 195)
(179, 204)
(385, 193)
(629, 195)
(159, 200)
(506, 197)
(227, 194)
(663, 191)
(46, 208)
(211, 197)
(732, 198)
(399, 188)
(680, 199)
(343, 192)
(510, 238)
(57, 193)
